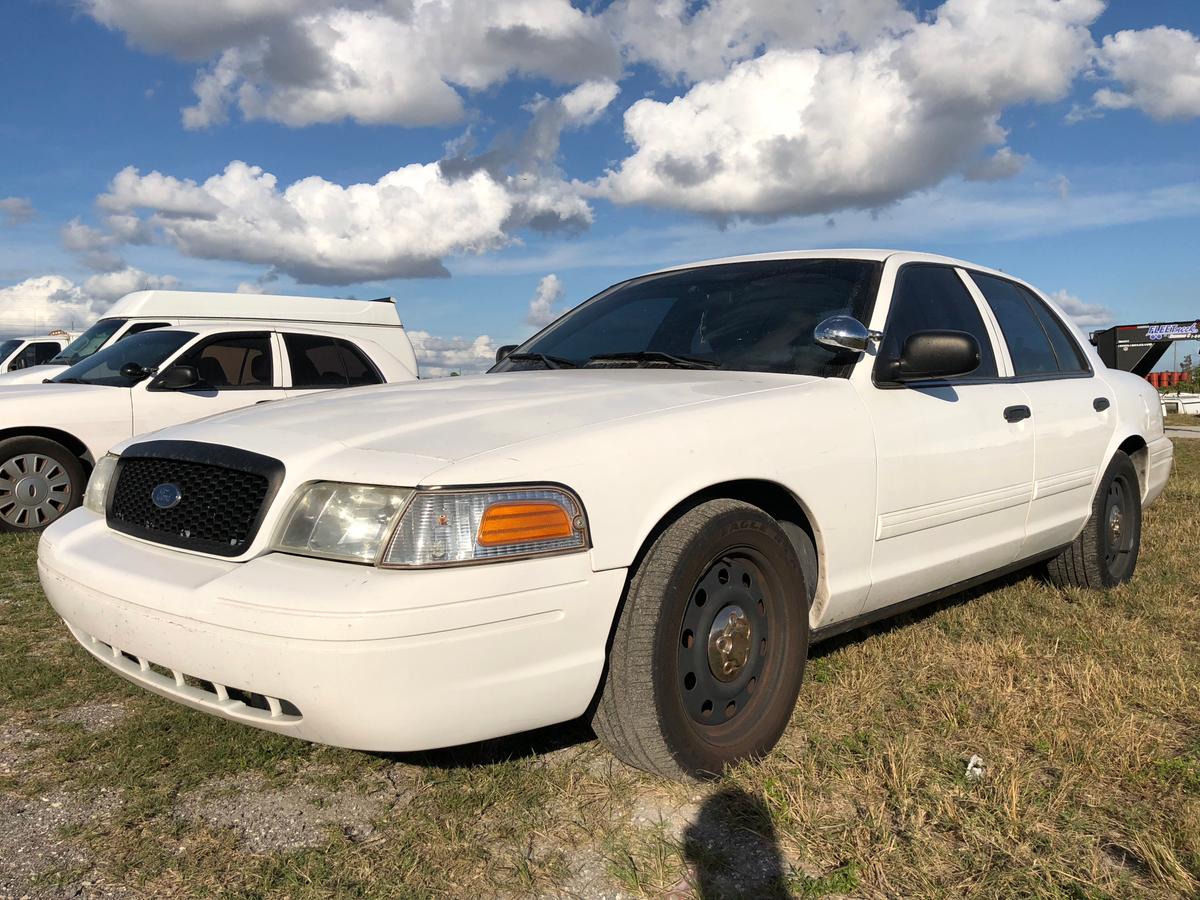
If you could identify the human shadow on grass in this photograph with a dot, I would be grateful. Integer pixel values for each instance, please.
(732, 850)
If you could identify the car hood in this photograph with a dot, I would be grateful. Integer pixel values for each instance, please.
(450, 419)
(32, 375)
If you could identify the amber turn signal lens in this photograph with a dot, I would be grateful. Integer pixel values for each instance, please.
(522, 522)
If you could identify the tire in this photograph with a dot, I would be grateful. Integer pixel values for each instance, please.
(40, 481)
(663, 706)
(1105, 553)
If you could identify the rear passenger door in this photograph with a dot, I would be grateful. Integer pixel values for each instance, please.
(1073, 415)
(236, 370)
(320, 362)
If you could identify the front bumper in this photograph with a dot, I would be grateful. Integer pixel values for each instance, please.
(333, 652)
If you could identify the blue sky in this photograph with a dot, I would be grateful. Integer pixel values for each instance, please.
(1100, 194)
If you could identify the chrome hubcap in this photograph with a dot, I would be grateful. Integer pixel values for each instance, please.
(729, 643)
(34, 490)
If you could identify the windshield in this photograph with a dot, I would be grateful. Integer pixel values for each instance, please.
(149, 350)
(749, 317)
(88, 342)
(7, 347)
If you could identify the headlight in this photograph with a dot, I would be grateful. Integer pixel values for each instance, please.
(453, 527)
(341, 521)
(95, 497)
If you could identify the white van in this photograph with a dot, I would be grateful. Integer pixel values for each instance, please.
(19, 354)
(146, 310)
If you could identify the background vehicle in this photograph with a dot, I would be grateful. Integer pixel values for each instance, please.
(52, 434)
(146, 310)
(646, 513)
(18, 354)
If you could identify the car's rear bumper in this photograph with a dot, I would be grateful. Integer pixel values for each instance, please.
(336, 653)
(1160, 455)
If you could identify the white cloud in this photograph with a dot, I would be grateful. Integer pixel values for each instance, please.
(106, 287)
(16, 210)
(1001, 165)
(1157, 69)
(807, 131)
(541, 307)
(693, 41)
(45, 302)
(324, 233)
(1085, 315)
(375, 61)
(440, 356)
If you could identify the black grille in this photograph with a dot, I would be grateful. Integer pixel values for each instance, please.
(222, 494)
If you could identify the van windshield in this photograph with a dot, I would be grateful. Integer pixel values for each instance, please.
(756, 316)
(88, 342)
(148, 350)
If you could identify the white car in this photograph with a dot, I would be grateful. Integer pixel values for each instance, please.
(147, 310)
(52, 434)
(20, 354)
(645, 514)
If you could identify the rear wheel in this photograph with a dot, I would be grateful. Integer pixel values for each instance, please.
(1105, 554)
(710, 648)
(40, 481)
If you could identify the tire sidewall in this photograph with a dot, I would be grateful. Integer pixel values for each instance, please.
(1121, 467)
(17, 446)
(743, 528)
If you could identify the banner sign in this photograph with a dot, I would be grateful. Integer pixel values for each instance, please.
(1174, 331)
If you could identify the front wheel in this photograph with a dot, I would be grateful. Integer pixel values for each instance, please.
(40, 481)
(1106, 551)
(710, 647)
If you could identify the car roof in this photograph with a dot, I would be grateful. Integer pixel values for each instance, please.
(876, 255)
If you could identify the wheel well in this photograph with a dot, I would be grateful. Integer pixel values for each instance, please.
(65, 438)
(1134, 447)
(773, 499)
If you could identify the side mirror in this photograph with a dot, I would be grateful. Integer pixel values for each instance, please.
(178, 378)
(502, 352)
(935, 354)
(844, 333)
(134, 371)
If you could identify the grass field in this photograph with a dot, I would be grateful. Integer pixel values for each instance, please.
(1182, 419)
(1084, 708)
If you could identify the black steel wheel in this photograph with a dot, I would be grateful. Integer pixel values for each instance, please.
(709, 650)
(1106, 552)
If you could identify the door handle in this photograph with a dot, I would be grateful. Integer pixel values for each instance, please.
(1100, 404)
(1016, 413)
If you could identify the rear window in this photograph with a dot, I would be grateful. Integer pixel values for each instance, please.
(1037, 342)
(318, 362)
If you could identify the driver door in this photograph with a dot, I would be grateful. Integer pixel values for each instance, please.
(236, 370)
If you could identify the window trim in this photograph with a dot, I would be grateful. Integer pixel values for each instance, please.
(199, 346)
(1089, 370)
(985, 316)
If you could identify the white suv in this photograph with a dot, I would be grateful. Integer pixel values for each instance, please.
(52, 434)
(20, 354)
(646, 513)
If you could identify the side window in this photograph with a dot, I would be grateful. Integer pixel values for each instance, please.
(318, 361)
(1066, 348)
(234, 361)
(359, 369)
(933, 297)
(45, 351)
(139, 327)
(35, 355)
(1027, 342)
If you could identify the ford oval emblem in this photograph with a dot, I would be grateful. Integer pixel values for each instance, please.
(166, 496)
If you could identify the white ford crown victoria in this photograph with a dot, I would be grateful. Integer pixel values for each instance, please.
(645, 514)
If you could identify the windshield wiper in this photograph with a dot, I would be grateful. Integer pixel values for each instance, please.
(550, 362)
(671, 359)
